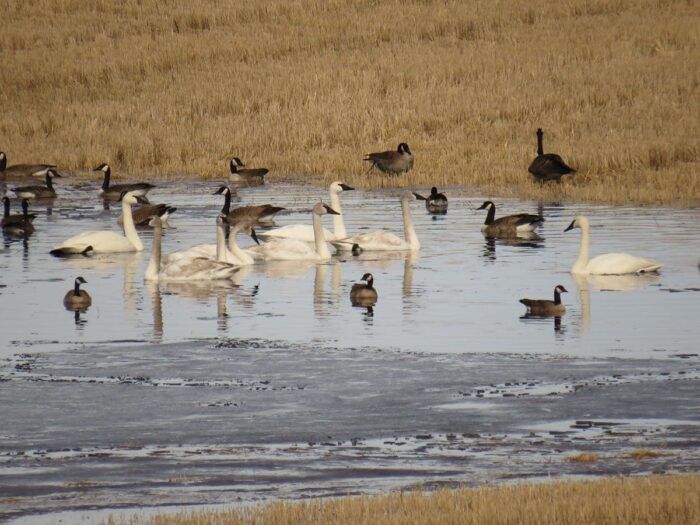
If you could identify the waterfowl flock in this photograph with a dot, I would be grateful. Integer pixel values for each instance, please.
(309, 241)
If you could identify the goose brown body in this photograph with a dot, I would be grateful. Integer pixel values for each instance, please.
(510, 225)
(252, 214)
(76, 298)
(548, 166)
(393, 162)
(250, 175)
(21, 170)
(545, 307)
(364, 294)
(39, 192)
(114, 191)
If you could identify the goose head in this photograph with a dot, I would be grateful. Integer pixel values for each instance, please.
(560, 289)
(235, 163)
(368, 278)
(79, 281)
(129, 198)
(104, 168)
(155, 221)
(53, 173)
(486, 206)
(223, 190)
(339, 187)
(356, 249)
(433, 192)
(403, 149)
(579, 222)
(323, 209)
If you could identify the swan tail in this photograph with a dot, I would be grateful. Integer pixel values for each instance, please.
(67, 251)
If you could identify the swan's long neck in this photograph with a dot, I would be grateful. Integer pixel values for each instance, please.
(491, 215)
(236, 250)
(409, 231)
(129, 228)
(540, 149)
(105, 182)
(338, 222)
(582, 261)
(153, 269)
(220, 241)
(319, 239)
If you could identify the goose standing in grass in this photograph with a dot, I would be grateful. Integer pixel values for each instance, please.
(185, 269)
(239, 173)
(143, 215)
(609, 263)
(436, 202)
(510, 225)
(393, 162)
(114, 192)
(106, 241)
(305, 232)
(18, 224)
(363, 294)
(545, 307)
(22, 170)
(248, 214)
(37, 191)
(380, 241)
(296, 250)
(548, 166)
(75, 298)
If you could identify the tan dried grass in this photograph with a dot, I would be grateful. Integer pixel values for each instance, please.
(160, 87)
(616, 501)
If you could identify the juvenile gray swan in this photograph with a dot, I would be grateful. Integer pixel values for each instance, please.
(548, 166)
(392, 162)
(545, 307)
(363, 294)
(75, 298)
(510, 225)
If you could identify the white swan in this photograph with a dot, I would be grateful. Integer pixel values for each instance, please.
(305, 232)
(232, 254)
(187, 268)
(296, 250)
(385, 241)
(106, 241)
(609, 263)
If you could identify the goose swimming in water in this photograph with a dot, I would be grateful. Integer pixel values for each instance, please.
(363, 294)
(39, 192)
(548, 166)
(114, 192)
(239, 173)
(510, 225)
(385, 241)
(143, 215)
(436, 202)
(545, 307)
(106, 241)
(609, 263)
(185, 269)
(295, 250)
(75, 298)
(393, 162)
(22, 170)
(248, 214)
(19, 224)
(305, 232)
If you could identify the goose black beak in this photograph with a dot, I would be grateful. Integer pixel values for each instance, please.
(482, 207)
(141, 200)
(419, 197)
(571, 226)
(345, 187)
(221, 190)
(54, 173)
(254, 236)
(330, 210)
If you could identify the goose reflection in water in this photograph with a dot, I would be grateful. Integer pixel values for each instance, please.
(525, 240)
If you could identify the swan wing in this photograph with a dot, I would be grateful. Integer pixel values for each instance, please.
(621, 263)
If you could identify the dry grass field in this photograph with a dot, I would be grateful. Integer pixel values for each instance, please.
(668, 500)
(306, 87)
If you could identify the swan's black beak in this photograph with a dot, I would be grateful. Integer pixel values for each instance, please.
(571, 226)
(254, 236)
(419, 197)
(345, 187)
(330, 210)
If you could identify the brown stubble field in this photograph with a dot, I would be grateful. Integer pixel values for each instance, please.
(305, 88)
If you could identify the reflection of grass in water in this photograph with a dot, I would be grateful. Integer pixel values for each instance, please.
(616, 501)
(584, 457)
(644, 453)
(302, 87)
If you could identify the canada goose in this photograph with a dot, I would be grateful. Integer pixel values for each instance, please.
(108, 192)
(392, 162)
(305, 232)
(106, 241)
(20, 223)
(510, 225)
(259, 213)
(356, 250)
(39, 192)
(385, 241)
(609, 263)
(296, 250)
(550, 166)
(364, 294)
(22, 170)
(75, 298)
(249, 175)
(545, 307)
(143, 215)
(437, 202)
(186, 269)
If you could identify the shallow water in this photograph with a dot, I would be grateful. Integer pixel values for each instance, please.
(279, 388)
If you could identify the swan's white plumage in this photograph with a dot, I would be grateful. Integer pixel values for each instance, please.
(232, 254)
(609, 263)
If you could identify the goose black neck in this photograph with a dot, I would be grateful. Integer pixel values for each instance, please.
(491, 215)
(3, 163)
(105, 182)
(49, 182)
(557, 297)
(25, 209)
(227, 203)
(6, 204)
(370, 283)
(234, 167)
(540, 149)
(76, 289)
